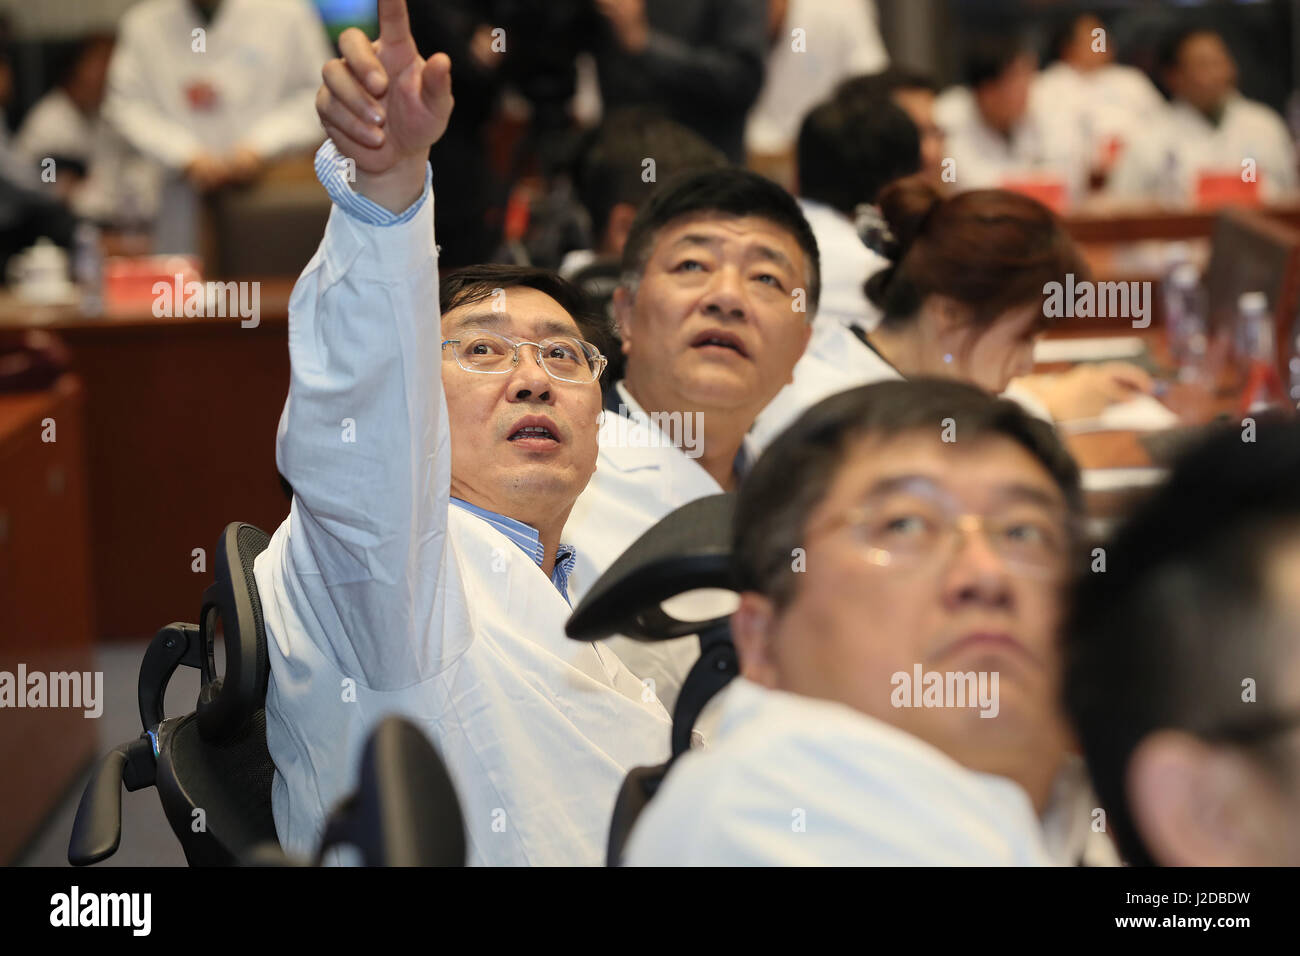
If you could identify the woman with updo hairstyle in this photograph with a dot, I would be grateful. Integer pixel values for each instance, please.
(964, 298)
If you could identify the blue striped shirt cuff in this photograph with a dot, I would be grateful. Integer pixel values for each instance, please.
(332, 169)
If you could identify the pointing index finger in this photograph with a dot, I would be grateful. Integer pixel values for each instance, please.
(394, 21)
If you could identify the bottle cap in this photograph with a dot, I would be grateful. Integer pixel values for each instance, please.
(1252, 302)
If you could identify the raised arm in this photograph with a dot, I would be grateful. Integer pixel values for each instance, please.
(363, 438)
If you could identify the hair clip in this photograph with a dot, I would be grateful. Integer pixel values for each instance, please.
(874, 231)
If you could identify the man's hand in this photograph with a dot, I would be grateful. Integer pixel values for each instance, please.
(244, 165)
(384, 106)
(206, 172)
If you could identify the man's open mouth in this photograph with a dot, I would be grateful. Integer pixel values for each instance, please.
(716, 338)
(534, 430)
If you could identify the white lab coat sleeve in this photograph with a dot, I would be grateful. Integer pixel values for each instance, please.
(363, 440)
(867, 53)
(41, 129)
(1284, 175)
(130, 105)
(293, 125)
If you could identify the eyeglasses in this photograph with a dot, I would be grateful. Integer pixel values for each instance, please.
(1030, 541)
(564, 358)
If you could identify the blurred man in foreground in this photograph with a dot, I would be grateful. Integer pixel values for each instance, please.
(1182, 661)
(902, 551)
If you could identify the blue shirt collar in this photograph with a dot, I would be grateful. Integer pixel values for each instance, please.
(529, 541)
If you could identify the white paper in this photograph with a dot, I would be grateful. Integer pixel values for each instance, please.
(1114, 479)
(1106, 348)
(1140, 414)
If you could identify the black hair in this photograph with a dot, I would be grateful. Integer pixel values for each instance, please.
(732, 191)
(610, 170)
(1063, 34)
(1163, 638)
(852, 147)
(472, 284)
(1171, 47)
(988, 57)
(794, 474)
(989, 249)
(873, 86)
(70, 56)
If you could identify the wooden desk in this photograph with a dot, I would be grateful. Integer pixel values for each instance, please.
(45, 600)
(181, 417)
(1124, 449)
(1136, 224)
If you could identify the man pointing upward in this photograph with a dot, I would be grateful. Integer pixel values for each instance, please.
(420, 570)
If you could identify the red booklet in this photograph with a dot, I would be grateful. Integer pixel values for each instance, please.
(1048, 190)
(1225, 189)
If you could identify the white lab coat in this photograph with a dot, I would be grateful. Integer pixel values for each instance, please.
(835, 361)
(640, 478)
(1111, 102)
(120, 183)
(792, 781)
(839, 39)
(262, 57)
(1070, 821)
(1045, 143)
(378, 599)
(846, 264)
(1166, 163)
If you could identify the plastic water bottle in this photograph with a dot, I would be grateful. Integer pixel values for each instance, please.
(1263, 390)
(1186, 320)
(1293, 364)
(88, 266)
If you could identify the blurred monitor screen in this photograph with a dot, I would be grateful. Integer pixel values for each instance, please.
(341, 14)
(1250, 253)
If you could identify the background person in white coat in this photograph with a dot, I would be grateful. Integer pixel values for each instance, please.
(433, 463)
(1209, 128)
(997, 133)
(867, 546)
(850, 147)
(720, 280)
(814, 44)
(99, 174)
(915, 92)
(1112, 104)
(214, 106)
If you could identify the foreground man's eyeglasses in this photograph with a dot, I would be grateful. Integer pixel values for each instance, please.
(1030, 545)
(564, 358)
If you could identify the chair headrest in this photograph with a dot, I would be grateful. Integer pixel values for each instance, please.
(405, 811)
(689, 549)
(232, 611)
